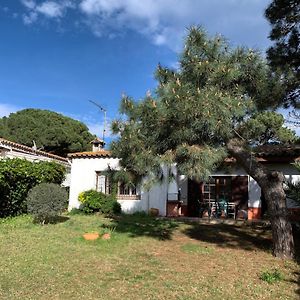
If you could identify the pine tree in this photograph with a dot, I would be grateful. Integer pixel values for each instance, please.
(211, 107)
(51, 131)
(284, 55)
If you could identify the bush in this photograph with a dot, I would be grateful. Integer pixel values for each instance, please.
(93, 201)
(46, 201)
(18, 176)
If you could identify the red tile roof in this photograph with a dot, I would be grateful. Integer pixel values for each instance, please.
(274, 154)
(278, 150)
(90, 154)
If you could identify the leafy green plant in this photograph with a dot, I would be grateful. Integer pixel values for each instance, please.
(74, 211)
(93, 201)
(271, 276)
(18, 176)
(46, 201)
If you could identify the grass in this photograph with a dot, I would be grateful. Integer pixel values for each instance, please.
(271, 276)
(195, 248)
(145, 258)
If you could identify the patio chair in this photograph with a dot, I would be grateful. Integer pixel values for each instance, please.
(231, 209)
(222, 207)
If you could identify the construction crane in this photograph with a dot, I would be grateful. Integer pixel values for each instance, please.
(104, 111)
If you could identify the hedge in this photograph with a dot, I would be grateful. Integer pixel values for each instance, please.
(18, 176)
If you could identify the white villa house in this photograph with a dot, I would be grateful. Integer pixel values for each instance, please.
(230, 192)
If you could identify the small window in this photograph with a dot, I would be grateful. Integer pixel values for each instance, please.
(123, 189)
(104, 185)
(126, 190)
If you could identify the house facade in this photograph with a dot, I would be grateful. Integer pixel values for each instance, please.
(87, 172)
(230, 192)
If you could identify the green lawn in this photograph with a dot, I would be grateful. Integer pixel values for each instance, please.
(144, 259)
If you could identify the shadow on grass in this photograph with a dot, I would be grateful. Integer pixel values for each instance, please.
(230, 236)
(51, 220)
(297, 273)
(143, 225)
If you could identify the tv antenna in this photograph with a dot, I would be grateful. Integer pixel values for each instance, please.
(104, 111)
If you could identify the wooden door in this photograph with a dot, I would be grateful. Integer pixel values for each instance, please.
(194, 198)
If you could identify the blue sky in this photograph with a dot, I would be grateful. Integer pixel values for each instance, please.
(58, 54)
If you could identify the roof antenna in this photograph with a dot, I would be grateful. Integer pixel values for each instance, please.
(104, 111)
(34, 147)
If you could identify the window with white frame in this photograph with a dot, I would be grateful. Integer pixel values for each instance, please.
(103, 184)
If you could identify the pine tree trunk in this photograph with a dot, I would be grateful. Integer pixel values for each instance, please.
(283, 244)
(271, 184)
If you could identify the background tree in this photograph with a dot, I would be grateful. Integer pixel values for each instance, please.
(199, 115)
(284, 55)
(51, 131)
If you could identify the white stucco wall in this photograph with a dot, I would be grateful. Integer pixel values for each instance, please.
(83, 177)
(156, 197)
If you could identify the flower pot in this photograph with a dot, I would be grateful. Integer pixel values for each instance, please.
(91, 236)
(154, 212)
(106, 236)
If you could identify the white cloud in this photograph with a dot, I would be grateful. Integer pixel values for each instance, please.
(6, 109)
(30, 4)
(49, 9)
(30, 18)
(164, 22)
(95, 122)
(96, 127)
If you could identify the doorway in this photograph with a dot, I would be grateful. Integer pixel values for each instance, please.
(219, 196)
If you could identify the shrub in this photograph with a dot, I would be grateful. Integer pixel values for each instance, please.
(46, 201)
(93, 201)
(75, 211)
(18, 176)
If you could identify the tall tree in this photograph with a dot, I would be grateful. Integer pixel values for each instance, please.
(51, 131)
(200, 113)
(284, 55)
